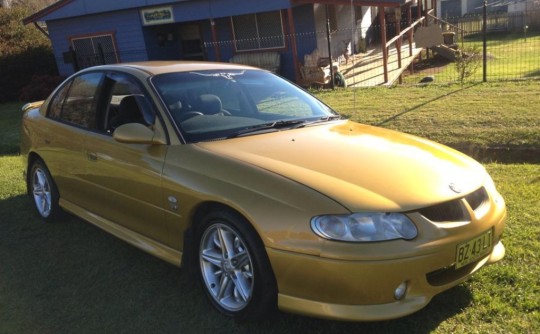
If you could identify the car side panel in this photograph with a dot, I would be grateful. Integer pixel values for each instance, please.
(123, 185)
(279, 209)
(60, 146)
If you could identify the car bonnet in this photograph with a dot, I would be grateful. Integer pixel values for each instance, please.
(362, 167)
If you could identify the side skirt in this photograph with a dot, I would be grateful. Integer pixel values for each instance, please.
(148, 245)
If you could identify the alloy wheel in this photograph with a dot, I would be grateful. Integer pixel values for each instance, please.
(226, 267)
(41, 191)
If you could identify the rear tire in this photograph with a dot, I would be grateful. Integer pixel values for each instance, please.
(233, 267)
(43, 191)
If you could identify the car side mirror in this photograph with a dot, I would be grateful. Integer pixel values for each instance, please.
(136, 133)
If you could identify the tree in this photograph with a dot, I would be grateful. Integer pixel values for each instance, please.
(24, 53)
(6, 3)
(33, 5)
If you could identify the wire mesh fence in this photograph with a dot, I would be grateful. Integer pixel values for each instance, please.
(512, 42)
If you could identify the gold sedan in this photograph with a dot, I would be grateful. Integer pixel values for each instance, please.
(268, 195)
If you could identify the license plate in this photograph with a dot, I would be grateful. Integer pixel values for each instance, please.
(473, 249)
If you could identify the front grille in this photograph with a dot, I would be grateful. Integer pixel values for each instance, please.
(449, 275)
(452, 211)
(477, 198)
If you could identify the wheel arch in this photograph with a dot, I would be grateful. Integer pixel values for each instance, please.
(189, 252)
(266, 297)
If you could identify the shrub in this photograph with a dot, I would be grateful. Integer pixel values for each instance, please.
(40, 87)
(467, 62)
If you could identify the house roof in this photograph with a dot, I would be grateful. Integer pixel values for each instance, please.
(64, 9)
(71, 8)
(374, 3)
(45, 11)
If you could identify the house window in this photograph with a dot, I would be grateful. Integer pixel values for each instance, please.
(95, 50)
(258, 31)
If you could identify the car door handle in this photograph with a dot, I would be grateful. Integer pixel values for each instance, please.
(91, 156)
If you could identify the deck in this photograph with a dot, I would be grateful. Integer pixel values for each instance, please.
(366, 69)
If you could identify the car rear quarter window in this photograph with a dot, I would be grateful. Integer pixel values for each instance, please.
(55, 111)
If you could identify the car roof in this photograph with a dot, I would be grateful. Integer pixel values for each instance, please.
(160, 67)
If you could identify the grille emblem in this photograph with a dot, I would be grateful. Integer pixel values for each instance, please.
(455, 187)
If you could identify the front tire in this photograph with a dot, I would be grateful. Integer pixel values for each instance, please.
(234, 268)
(43, 191)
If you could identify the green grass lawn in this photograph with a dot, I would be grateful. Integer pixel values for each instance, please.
(10, 120)
(71, 277)
(502, 116)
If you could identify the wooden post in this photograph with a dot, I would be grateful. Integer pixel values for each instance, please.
(328, 38)
(294, 47)
(382, 22)
(410, 33)
(399, 40)
(215, 40)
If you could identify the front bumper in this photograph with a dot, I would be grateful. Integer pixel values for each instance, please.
(363, 290)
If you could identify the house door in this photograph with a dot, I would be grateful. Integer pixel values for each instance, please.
(191, 42)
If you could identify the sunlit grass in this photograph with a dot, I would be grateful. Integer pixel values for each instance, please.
(509, 56)
(70, 277)
(482, 115)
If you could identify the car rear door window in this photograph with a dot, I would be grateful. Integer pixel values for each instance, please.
(76, 102)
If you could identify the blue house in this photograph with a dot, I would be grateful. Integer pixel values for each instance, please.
(89, 32)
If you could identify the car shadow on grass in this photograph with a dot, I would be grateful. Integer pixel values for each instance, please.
(420, 105)
(69, 276)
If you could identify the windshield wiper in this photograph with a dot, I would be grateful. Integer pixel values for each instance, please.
(323, 119)
(283, 124)
(269, 126)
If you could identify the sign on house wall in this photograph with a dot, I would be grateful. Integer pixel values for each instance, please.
(157, 15)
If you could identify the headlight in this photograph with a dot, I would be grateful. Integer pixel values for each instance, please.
(364, 227)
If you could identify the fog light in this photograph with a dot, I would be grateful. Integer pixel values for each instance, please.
(400, 291)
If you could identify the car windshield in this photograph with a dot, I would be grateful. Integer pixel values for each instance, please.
(221, 104)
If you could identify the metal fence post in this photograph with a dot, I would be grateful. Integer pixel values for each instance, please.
(484, 42)
(329, 48)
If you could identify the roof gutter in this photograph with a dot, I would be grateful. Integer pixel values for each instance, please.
(43, 31)
(45, 11)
